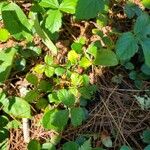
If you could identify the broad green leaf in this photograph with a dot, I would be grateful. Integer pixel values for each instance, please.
(146, 3)
(55, 119)
(126, 46)
(73, 57)
(6, 62)
(77, 47)
(87, 9)
(49, 4)
(53, 98)
(125, 147)
(142, 24)
(48, 146)
(45, 86)
(145, 69)
(68, 6)
(70, 144)
(14, 124)
(54, 20)
(34, 145)
(49, 71)
(66, 97)
(60, 71)
(18, 107)
(32, 78)
(146, 50)
(85, 62)
(4, 35)
(86, 145)
(106, 58)
(41, 103)
(32, 96)
(48, 60)
(18, 26)
(77, 116)
(102, 20)
(146, 136)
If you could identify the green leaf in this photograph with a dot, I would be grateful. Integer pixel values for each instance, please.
(66, 97)
(4, 35)
(87, 9)
(4, 134)
(147, 147)
(85, 63)
(68, 6)
(76, 79)
(86, 145)
(77, 116)
(6, 62)
(34, 145)
(73, 57)
(146, 50)
(126, 46)
(146, 3)
(4, 121)
(53, 98)
(77, 47)
(32, 96)
(18, 107)
(18, 26)
(14, 124)
(146, 136)
(60, 71)
(48, 146)
(107, 141)
(106, 58)
(124, 147)
(39, 68)
(142, 21)
(54, 20)
(42, 103)
(145, 69)
(70, 144)
(49, 4)
(32, 78)
(48, 60)
(55, 119)
(44, 86)
(49, 71)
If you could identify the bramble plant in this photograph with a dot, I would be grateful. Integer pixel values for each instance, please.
(62, 90)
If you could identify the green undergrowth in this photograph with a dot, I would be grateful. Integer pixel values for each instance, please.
(61, 90)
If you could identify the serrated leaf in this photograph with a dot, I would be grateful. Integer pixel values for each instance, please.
(70, 144)
(146, 50)
(126, 46)
(106, 58)
(32, 96)
(77, 116)
(34, 145)
(85, 62)
(44, 86)
(54, 20)
(68, 6)
(60, 71)
(66, 97)
(4, 35)
(73, 57)
(55, 119)
(18, 26)
(39, 68)
(48, 60)
(86, 145)
(48, 146)
(18, 107)
(93, 7)
(49, 4)
(76, 79)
